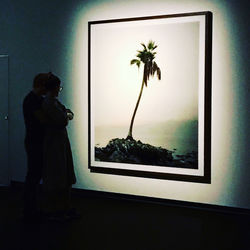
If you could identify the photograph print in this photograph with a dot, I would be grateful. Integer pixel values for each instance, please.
(150, 96)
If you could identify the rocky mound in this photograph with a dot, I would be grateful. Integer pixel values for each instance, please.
(136, 152)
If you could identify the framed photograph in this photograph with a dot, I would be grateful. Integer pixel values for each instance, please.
(149, 83)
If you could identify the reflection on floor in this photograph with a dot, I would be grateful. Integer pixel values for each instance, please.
(108, 224)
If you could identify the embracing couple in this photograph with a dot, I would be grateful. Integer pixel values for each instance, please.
(47, 145)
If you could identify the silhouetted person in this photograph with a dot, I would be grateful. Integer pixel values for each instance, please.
(34, 138)
(58, 171)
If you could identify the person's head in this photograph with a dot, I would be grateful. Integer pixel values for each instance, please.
(52, 85)
(39, 83)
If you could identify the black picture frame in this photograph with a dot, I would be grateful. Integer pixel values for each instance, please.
(205, 175)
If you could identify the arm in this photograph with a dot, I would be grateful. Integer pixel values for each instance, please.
(56, 115)
(69, 113)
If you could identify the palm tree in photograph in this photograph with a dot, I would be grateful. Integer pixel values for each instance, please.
(146, 57)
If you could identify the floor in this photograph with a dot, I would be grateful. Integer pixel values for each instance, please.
(108, 224)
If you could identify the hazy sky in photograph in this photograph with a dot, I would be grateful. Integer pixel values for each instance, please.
(115, 84)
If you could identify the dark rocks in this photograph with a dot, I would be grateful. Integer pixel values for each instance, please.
(135, 152)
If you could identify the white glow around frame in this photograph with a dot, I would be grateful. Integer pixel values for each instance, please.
(95, 77)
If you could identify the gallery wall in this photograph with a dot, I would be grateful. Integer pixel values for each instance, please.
(42, 36)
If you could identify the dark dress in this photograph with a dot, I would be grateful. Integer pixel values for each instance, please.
(34, 137)
(58, 169)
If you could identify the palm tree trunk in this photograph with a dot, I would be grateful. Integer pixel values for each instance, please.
(136, 107)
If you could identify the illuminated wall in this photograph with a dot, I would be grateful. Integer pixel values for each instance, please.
(229, 148)
(60, 44)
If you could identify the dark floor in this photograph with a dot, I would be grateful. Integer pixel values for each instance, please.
(109, 224)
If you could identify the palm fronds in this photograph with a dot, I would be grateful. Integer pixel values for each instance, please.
(136, 61)
(147, 56)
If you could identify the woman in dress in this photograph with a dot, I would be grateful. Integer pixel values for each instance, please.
(58, 168)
